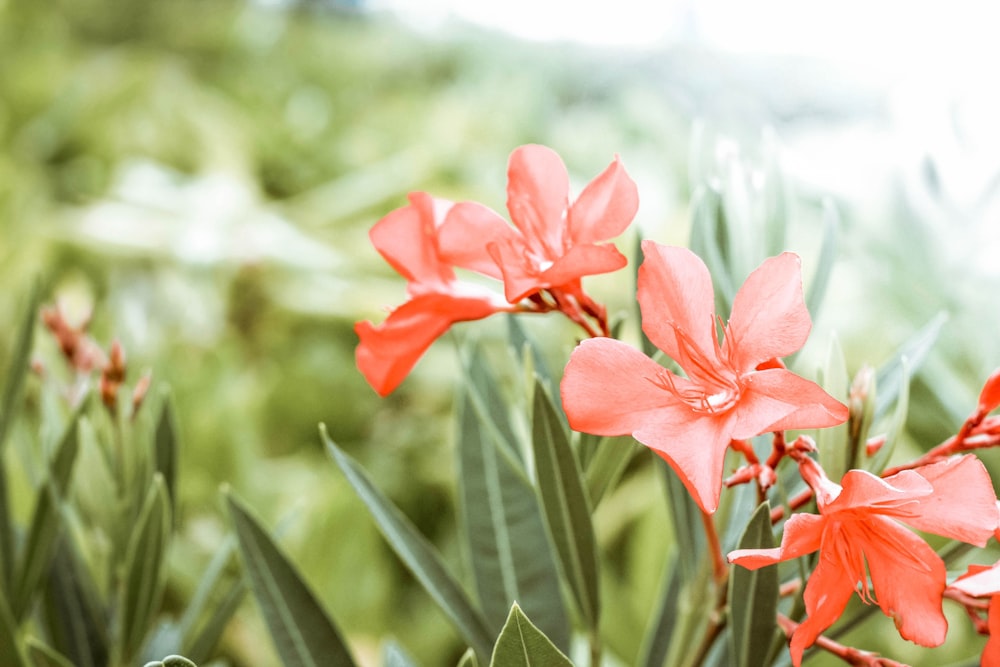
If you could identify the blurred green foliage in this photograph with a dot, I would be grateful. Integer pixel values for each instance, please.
(202, 174)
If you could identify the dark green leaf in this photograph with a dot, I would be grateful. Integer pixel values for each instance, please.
(660, 631)
(46, 523)
(685, 517)
(143, 580)
(165, 447)
(201, 645)
(606, 464)
(566, 506)
(468, 659)
(43, 655)
(827, 256)
(10, 644)
(492, 407)
(521, 644)
(753, 596)
(72, 610)
(417, 554)
(510, 553)
(199, 636)
(890, 376)
(303, 634)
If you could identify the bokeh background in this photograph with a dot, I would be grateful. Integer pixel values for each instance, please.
(202, 175)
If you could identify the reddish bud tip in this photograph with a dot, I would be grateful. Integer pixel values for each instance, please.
(989, 397)
(874, 444)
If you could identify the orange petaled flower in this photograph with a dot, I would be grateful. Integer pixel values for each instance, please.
(553, 243)
(408, 240)
(731, 390)
(858, 526)
(984, 581)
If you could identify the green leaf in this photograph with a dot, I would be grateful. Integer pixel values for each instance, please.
(659, 633)
(834, 443)
(468, 659)
(393, 655)
(566, 506)
(198, 644)
(165, 450)
(880, 460)
(753, 596)
(417, 554)
(492, 407)
(509, 548)
(710, 241)
(43, 655)
(46, 523)
(143, 578)
(890, 376)
(685, 517)
(72, 610)
(525, 346)
(521, 644)
(10, 644)
(606, 464)
(303, 634)
(827, 256)
(202, 644)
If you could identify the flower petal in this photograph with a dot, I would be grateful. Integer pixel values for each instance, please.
(466, 232)
(605, 207)
(779, 400)
(803, 535)
(769, 317)
(538, 196)
(867, 492)
(963, 505)
(608, 388)
(407, 239)
(386, 353)
(979, 581)
(827, 592)
(909, 580)
(991, 652)
(675, 290)
(582, 260)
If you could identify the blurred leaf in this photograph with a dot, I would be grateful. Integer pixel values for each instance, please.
(303, 633)
(685, 517)
(43, 655)
(72, 612)
(171, 661)
(143, 575)
(165, 448)
(492, 408)
(17, 369)
(10, 645)
(880, 460)
(509, 548)
(393, 655)
(521, 644)
(775, 198)
(199, 645)
(468, 659)
(660, 631)
(566, 506)
(417, 554)
(607, 463)
(46, 523)
(202, 644)
(710, 241)
(890, 376)
(524, 346)
(833, 443)
(753, 596)
(827, 257)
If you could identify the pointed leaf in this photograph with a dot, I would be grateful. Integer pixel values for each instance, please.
(201, 645)
(660, 631)
(393, 655)
(521, 644)
(510, 553)
(10, 644)
(143, 580)
(165, 447)
(46, 524)
(43, 655)
(566, 506)
(417, 554)
(468, 659)
(880, 460)
(833, 443)
(753, 597)
(710, 241)
(492, 408)
(827, 255)
(525, 346)
(199, 636)
(303, 634)
(914, 350)
(72, 610)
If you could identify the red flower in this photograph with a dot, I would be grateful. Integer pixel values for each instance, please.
(984, 581)
(408, 238)
(610, 388)
(858, 525)
(552, 243)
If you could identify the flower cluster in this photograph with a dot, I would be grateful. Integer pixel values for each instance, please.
(724, 383)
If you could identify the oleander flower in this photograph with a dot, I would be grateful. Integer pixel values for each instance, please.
(984, 581)
(408, 240)
(733, 389)
(858, 533)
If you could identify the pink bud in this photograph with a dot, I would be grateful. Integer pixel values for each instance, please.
(989, 398)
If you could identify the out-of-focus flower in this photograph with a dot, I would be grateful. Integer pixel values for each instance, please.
(732, 390)
(408, 240)
(857, 534)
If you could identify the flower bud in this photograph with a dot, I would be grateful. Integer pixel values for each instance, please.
(989, 397)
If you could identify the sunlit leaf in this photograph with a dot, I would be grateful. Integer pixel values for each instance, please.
(827, 256)
(753, 597)
(508, 545)
(43, 655)
(710, 241)
(468, 659)
(833, 443)
(566, 506)
(522, 644)
(393, 655)
(881, 458)
(890, 377)
(417, 554)
(302, 632)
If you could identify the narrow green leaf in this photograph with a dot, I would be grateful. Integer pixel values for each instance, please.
(199, 636)
(10, 644)
(17, 369)
(606, 464)
(417, 554)
(492, 407)
(524, 346)
(710, 241)
(72, 610)
(509, 548)
(468, 659)
(143, 578)
(660, 631)
(43, 655)
(880, 460)
(202, 644)
(46, 523)
(753, 596)
(834, 443)
(303, 634)
(566, 506)
(165, 450)
(775, 197)
(827, 257)
(889, 377)
(685, 517)
(521, 644)
(393, 655)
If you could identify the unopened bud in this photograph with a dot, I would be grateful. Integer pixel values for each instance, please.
(989, 397)
(140, 391)
(861, 402)
(874, 444)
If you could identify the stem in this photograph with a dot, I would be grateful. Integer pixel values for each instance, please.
(595, 648)
(720, 569)
(851, 656)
